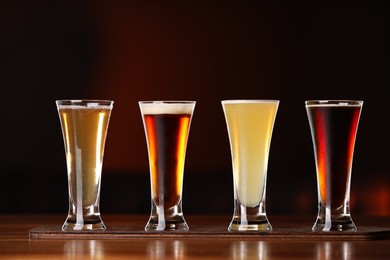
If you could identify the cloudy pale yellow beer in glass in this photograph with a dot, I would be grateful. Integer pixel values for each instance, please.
(250, 125)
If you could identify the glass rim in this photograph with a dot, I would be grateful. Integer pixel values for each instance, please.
(166, 102)
(248, 101)
(85, 103)
(327, 102)
(81, 101)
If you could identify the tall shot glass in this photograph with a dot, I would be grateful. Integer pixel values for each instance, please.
(166, 125)
(84, 125)
(333, 126)
(250, 125)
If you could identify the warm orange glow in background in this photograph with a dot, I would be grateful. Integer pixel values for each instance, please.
(205, 52)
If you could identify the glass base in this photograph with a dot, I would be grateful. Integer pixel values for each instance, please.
(258, 224)
(252, 226)
(166, 219)
(156, 224)
(343, 223)
(337, 219)
(249, 218)
(89, 223)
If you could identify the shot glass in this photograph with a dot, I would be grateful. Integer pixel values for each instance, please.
(84, 125)
(250, 125)
(333, 126)
(166, 125)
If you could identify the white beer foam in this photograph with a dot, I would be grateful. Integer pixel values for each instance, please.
(167, 108)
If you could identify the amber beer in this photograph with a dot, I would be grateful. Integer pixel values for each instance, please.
(334, 125)
(166, 127)
(84, 127)
(166, 136)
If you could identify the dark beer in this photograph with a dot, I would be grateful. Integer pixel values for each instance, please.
(334, 128)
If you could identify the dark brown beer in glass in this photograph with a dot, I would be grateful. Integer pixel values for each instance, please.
(334, 125)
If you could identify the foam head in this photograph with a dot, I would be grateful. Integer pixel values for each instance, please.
(167, 107)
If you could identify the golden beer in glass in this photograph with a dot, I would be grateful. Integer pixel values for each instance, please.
(84, 125)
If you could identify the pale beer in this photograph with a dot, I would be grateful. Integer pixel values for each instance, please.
(250, 126)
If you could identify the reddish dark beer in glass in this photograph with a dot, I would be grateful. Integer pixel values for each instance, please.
(166, 125)
(167, 134)
(333, 125)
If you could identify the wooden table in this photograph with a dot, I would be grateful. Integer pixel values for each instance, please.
(29, 237)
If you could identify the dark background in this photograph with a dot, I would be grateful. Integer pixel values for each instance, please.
(205, 51)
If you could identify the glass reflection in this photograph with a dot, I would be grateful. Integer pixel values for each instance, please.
(173, 249)
(74, 249)
(249, 249)
(334, 250)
